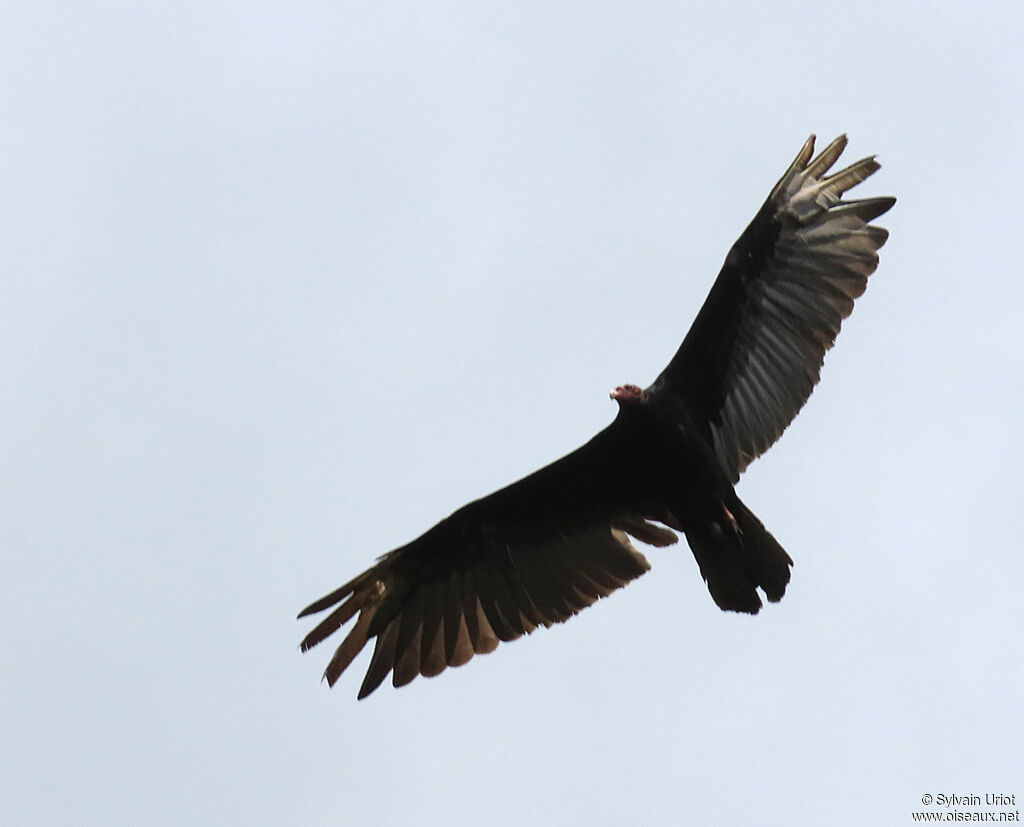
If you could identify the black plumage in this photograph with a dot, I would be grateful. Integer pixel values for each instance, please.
(538, 551)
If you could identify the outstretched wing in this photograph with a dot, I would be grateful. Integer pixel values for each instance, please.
(755, 350)
(532, 554)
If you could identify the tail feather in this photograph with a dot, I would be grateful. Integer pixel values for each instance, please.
(736, 557)
(766, 558)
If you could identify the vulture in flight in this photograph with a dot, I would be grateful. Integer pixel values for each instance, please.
(538, 551)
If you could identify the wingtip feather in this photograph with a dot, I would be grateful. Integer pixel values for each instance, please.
(351, 646)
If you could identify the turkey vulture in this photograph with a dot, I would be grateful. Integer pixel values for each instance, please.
(537, 552)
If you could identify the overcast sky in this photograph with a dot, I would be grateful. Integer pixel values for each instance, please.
(284, 284)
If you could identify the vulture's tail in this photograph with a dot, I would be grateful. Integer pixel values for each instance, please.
(736, 556)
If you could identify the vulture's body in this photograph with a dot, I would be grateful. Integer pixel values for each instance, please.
(540, 550)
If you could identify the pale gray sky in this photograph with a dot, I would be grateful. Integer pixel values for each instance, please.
(287, 283)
